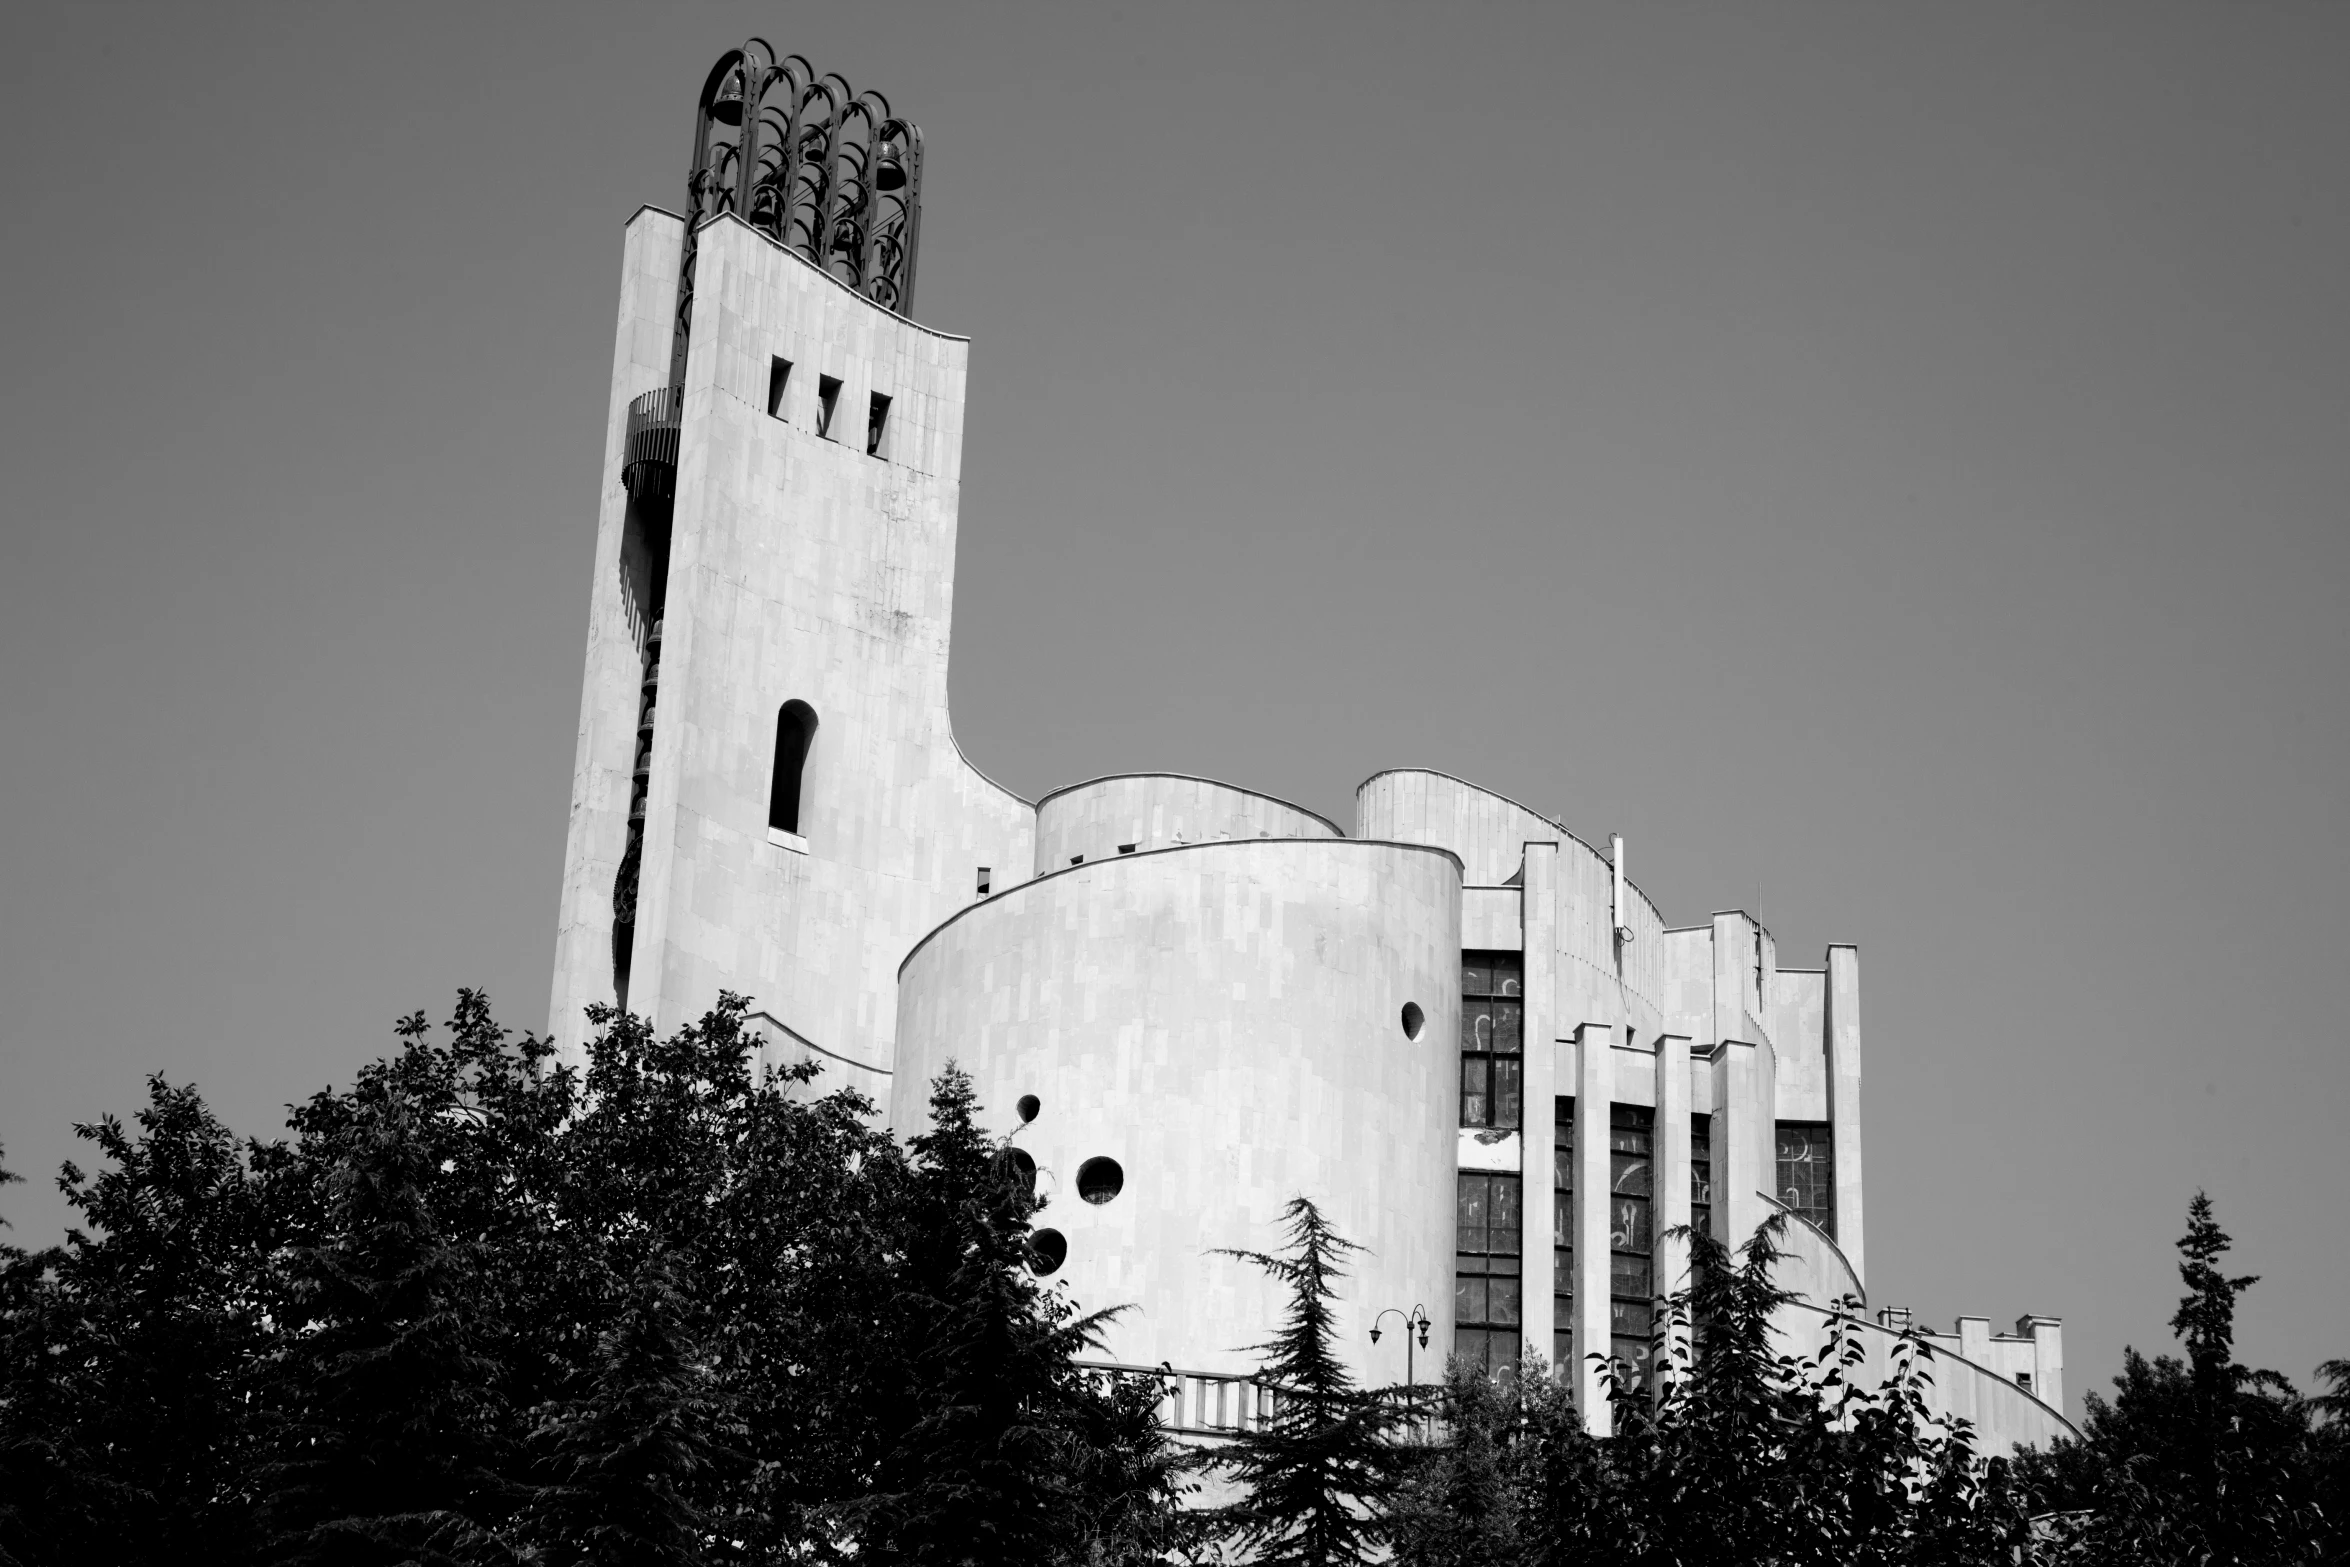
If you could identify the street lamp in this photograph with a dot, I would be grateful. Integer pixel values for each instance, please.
(1417, 1318)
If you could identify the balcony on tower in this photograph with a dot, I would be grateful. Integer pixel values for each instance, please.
(649, 457)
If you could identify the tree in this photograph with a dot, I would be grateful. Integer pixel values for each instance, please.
(2206, 1460)
(125, 1435)
(1318, 1476)
(387, 1447)
(1004, 1449)
(1464, 1501)
(628, 1456)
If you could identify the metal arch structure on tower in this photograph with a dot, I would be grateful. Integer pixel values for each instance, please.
(829, 173)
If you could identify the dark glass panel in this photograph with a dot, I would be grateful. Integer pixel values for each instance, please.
(1630, 1277)
(1476, 1103)
(1476, 1025)
(1508, 1026)
(1502, 1302)
(1509, 971)
(1508, 1096)
(1503, 1225)
(1628, 1221)
(1476, 974)
(1631, 1174)
(1473, 1194)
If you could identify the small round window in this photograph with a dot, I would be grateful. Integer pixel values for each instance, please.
(1414, 1020)
(1028, 1106)
(1020, 1165)
(1099, 1180)
(1047, 1250)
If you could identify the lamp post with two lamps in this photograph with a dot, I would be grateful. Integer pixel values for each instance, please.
(1415, 1319)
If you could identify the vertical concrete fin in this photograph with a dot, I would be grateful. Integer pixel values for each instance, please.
(1672, 1172)
(1843, 1028)
(1593, 1094)
(1540, 924)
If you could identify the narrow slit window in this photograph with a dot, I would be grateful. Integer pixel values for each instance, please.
(876, 420)
(1076, 859)
(1562, 1235)
(1126, 848)
(795, 732)
(778, 377)
(1631, 1237)
(827, 399)
(983, 881)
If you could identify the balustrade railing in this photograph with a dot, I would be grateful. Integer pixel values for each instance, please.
(1198, 1403)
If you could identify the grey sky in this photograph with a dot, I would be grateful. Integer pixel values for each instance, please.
(1889, 462)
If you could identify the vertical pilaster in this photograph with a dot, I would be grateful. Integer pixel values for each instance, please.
(2047, 1335)
(1672, 1175)
(1538, 921)
(1594, 1092)
(1741, 1142)
(1843, 1029)
(1734, 977)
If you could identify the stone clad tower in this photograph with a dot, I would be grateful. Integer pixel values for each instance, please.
(767, 797)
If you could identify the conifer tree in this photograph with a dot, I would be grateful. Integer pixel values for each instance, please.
(1317, 1477)
(1005, 1451)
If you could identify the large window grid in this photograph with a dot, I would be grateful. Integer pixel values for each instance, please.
(1631, 1235)
(1562, 1235)
(1807, 1172)
(1493, 1016)
(1486, 1283)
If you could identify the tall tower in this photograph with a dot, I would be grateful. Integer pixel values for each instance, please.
(767, 797)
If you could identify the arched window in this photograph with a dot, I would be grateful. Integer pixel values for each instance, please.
(795, 731)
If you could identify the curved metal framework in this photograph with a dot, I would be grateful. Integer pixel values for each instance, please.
(828, 172)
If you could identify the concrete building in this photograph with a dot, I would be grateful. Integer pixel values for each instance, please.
(1459, 1027)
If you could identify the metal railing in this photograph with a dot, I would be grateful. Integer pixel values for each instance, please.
(648, 458)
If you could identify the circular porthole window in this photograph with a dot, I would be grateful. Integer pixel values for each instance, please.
(1414, 1020)
(1028, 1106)
(1020, 1164)
(1047, 1250)
(1099, 1180)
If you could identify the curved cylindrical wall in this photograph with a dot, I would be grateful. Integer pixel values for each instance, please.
(1156, 811)
(1599, 977)
(1224, 1021)
(1811, 1264)
(2005, 1417)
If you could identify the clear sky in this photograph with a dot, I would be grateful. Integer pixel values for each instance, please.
(1888, 462)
